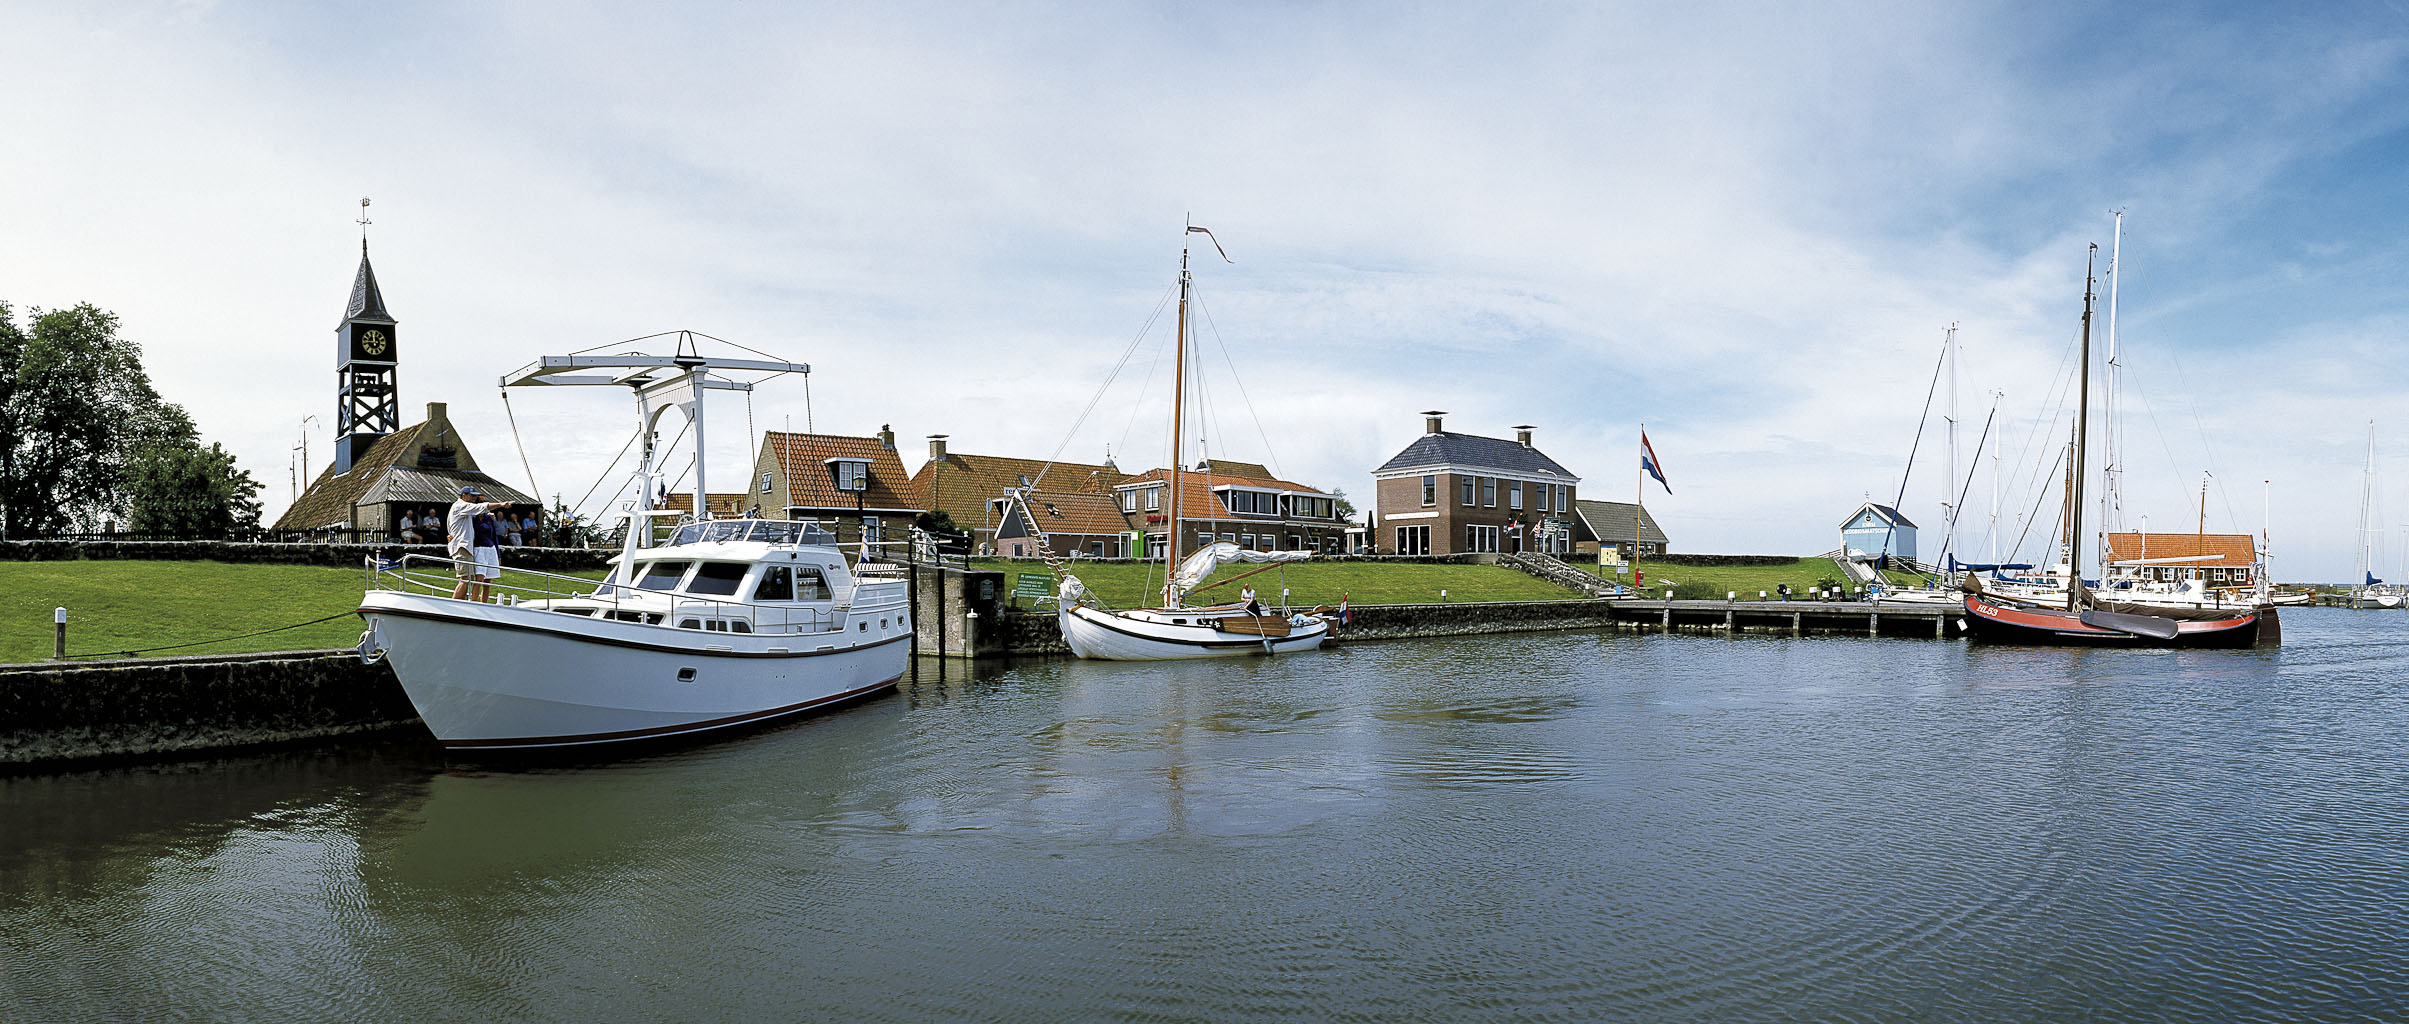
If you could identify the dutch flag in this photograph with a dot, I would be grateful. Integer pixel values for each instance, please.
(1647, 462)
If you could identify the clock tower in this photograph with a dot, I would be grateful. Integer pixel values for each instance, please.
(366, 405)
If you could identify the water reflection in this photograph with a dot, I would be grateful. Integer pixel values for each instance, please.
(1580, 826)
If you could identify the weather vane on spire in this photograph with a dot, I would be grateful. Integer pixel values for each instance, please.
(363, 222)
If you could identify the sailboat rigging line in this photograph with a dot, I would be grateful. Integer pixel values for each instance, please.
(1144, 387)
(1949, 539)
(1268, 454)
(2183, 380)
(537, 492)
(2041, 494)
(681, 480)
(1921, 419)
(2051, 403)
(1098, 397)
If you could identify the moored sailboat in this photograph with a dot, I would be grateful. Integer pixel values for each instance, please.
(1175, 629)
(1996, 618)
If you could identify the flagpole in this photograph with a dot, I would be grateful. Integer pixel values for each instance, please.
(1640, 505)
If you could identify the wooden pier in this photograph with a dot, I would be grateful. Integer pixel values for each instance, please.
(1932, 621)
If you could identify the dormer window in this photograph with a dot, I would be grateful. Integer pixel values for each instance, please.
(851, 476)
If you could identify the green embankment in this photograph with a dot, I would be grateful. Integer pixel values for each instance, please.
(1711, 582)
(1133, 585)
(114, 607)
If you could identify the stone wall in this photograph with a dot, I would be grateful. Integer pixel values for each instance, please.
(350, 556)
(157, 707)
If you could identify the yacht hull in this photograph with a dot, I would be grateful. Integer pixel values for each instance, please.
(1103, 636)
(1992, 622)
(494, 677)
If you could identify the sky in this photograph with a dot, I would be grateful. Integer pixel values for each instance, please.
(1747, 226)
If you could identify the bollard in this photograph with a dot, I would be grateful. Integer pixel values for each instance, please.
(1731, 595)
(58, 634)
(1760, 595)
(1442, 594)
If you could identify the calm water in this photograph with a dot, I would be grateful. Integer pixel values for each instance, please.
(1549, 827)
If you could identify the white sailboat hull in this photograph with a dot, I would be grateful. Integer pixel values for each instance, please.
(499, 677)
(1105, 636)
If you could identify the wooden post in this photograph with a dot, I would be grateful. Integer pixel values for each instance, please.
(1873, 623)
(1797, 622)
(58, 634)
(1667, 622)
(1940, 626)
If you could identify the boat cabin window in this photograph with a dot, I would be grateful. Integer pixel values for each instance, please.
(662, 575)
(777, 584)
(717, 579)
(808, 584)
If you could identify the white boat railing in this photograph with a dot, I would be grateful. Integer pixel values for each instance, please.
(434, 575)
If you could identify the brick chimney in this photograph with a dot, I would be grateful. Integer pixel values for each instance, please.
(1522, 434)
(936, 446)
(886, 436)
(435, 411)
(1430, 420)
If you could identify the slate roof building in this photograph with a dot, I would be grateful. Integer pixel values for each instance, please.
(417, 470)
(1238, 502)
(1607, 524)
(1451, 493)
(855, 487)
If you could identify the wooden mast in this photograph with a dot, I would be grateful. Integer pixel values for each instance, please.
(1179, 391)
(2082, 433)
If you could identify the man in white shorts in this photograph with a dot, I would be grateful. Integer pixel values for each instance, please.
(473, 564)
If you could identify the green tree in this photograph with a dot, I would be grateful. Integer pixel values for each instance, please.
(74, 404)
(176, 488)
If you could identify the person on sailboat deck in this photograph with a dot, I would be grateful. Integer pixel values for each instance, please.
(1248, 595)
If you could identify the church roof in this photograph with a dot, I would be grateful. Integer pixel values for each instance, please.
(388, 472)
(367, 303)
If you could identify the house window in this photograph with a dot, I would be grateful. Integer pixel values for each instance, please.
(1247, 541)
(1129, 501)
(1095, 548)
(1154, 499)
(1430, 491)
(1514, 494)
(1564, 498)
(1296, 543)
(1413, 540)
(1480, 538)
(1468, 483)
(765, 483)
(1542, 496)
(1489, 491)
(1230, 537)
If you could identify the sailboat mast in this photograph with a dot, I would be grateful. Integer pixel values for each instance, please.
(2367, 526)
(1949, 474)
(1179, 391)
(2082, 431)
(2112, 474)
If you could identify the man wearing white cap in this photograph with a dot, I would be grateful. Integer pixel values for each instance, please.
(474, 566)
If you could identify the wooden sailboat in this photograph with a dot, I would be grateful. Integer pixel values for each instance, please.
(1177, 630)
(1996, 619)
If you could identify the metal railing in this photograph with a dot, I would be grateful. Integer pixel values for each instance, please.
(434, 575)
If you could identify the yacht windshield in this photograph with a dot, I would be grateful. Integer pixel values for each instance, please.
(717, 579)
(662, 575)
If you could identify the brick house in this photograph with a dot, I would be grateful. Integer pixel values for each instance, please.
(855, 487)
(973, 491)
(1239, 502)
(1450, 493)
(1072, 524)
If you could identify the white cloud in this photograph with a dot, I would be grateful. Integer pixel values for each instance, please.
(1745, 226)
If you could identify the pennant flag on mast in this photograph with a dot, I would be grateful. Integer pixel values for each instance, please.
(1194, 229)
(1647, 461)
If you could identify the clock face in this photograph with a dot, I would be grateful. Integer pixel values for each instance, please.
(373, 341)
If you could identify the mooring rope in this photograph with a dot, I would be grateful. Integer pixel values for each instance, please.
(222, 639)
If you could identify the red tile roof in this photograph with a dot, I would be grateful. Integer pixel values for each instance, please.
(1196, 497)
(963, 485)
(801, 459)
(2226, 549)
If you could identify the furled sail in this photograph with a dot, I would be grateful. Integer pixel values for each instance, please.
(1197, 566)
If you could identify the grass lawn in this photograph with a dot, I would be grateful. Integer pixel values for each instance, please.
(1711, 582)
(1130, 585)
(124, 606)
